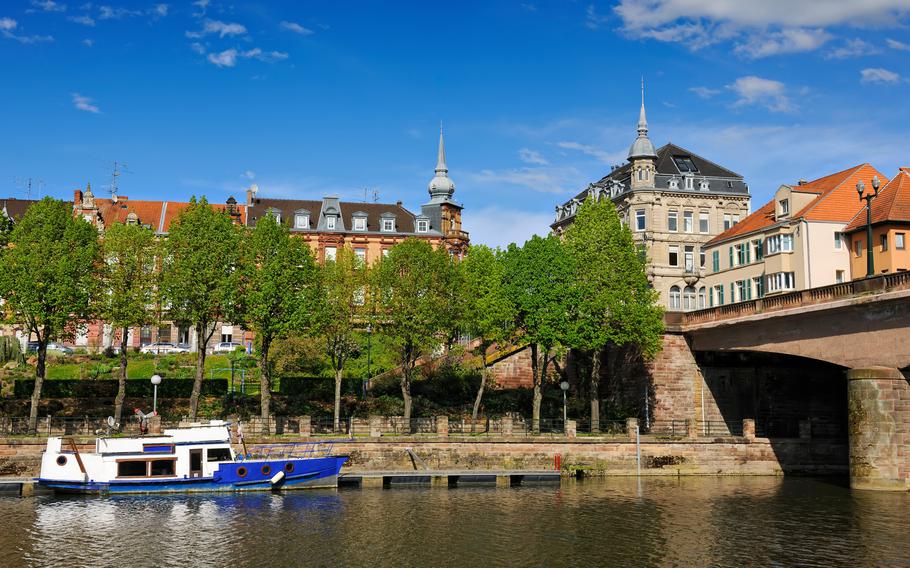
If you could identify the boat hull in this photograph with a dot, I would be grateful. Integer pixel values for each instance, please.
(256, 475)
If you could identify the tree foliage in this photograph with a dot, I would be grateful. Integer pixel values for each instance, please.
(47, 278)
(200, 276)
(277, 291)
(129, 281)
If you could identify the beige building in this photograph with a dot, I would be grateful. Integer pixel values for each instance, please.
(793, 242)
(675, 201)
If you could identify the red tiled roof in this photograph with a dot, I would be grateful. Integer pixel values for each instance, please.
(149, 212)
(836, 201)
(892, 203)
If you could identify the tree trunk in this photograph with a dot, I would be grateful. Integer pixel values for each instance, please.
(595, 391)
(406, 394)
(200, 370)
(265, 384)
(121, 384)
(538, 393)
(483, 382)
(39, 382)
(337, 416)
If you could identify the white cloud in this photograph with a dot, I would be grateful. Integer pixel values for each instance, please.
(87, 42)
(296, 28)
(160, 10)
(218, 27)
(226, 58)
(529, 156)
(898, 45)
(7, 24)
(110, 13)
(704, 92)
(594, 152)
(249, 174)
(49, 5)
(759, 29)
(878, 75)
(85, 103)
(790, 40)
(84, 20)
(498, 227)
(593, 20)
(756, 91)
(197, 47)
(540, 179)
(852, 48)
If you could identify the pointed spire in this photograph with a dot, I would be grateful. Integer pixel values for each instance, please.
(441, 161)
(642, 147)
(642, 120)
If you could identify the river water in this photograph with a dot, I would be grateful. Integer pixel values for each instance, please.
(691, 521)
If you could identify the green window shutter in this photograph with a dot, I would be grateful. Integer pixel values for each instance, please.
(720, 295)
(731, 257)
(715, 260)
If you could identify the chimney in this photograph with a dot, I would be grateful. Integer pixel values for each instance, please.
(249, 197)
(398, 203)
(803, 181)
(77, 197)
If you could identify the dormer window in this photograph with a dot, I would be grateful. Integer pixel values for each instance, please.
(387, 223)
(703, 185)
(360, 223)
(685, 164)
(784, 207)
(690, 182)
(674, 182)
(276, 214)
(330, 223)
(423, 225)
(302, 220)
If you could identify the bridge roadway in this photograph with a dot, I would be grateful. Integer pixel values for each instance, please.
(863, 326)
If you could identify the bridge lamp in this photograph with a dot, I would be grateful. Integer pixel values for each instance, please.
(156, 380)
(860, 188)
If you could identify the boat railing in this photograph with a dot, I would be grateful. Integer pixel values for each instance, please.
(291, 450)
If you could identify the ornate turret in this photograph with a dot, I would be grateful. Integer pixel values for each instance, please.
(642, 153)
(88, 198)
(441, 187)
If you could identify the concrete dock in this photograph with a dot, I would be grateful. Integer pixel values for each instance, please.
(447, 478)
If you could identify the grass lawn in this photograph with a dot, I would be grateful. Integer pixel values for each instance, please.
(180, 366)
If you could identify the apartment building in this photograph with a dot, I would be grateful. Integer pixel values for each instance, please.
(890, 229)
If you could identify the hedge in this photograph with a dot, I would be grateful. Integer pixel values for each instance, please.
(318, 388)
(107, 388)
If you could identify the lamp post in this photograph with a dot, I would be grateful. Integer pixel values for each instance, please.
(565, 387)
(366, 383)
(156, 380)
(860, 187)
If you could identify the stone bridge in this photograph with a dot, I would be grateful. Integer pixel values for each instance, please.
(861, 326)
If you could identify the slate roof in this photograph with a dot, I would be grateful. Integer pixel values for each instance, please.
(16, 208)
(836, 202)
(892, 203)
(404, 219)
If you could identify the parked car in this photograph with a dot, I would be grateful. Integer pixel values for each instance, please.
(160, 347)
(31, 347)
(182, 348)
(60, 348)
(226, 347)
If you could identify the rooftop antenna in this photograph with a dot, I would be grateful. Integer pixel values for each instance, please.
(375, 195)
(27, 183)
(119, 169)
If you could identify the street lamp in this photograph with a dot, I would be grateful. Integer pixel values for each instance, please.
(565, 387)
(860, 187)
(156, 380)
(366, 383)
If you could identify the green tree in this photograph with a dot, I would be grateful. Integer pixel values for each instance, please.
(411, 304)
(6, 227)
(199, 280)
(341, 310)
(612, 302)
(487, 311)
(129, 279)
(537, 277)
(279, 285)
(48, 274)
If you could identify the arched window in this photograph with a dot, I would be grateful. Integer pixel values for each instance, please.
(702, 298)
(689, 298)
(674, 297)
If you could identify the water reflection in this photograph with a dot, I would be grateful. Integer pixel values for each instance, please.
(661, 522)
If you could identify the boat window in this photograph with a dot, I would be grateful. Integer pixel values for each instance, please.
(131, 468)
(219, 455)
(162, 468)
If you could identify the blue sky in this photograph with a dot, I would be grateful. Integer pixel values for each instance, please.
(538, 98)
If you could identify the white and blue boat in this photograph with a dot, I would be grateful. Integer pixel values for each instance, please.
(198, 458)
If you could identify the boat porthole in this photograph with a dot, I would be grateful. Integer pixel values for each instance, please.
(266, 470)
(61, 460)
(289, 467)
(241, 472)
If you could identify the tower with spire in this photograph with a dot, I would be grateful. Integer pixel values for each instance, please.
(443, 212)
(642, 154)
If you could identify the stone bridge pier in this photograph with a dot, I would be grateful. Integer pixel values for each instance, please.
(878, 406)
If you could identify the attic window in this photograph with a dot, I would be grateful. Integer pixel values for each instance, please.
(360, 223)
(423, 225)
(388, 225)
(330, 222)
(685, 164)
(301, 220)
(784, 206)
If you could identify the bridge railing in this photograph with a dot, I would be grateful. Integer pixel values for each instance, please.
(882, 283)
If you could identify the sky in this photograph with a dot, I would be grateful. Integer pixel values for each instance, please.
(537, 98)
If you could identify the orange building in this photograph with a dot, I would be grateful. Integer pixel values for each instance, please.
(890, 228)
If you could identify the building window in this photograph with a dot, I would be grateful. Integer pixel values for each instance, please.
(690, 258)
(360, 223)
(899, 242)
(674, 297)
(673, 259)
(838, 240)
(758, 249)
(330, 222)
(330, 253)
(687, 221)
(838, 276)
(702, 260)
(641, 174)
(674, 183)
(780, 281)
(702, 298)
(690, 182)
(743, 253)
(301, 221)
(741, 293)
(732, 263)
(639, 219)
(388, 225)
(728, 221)
(703, 222)
(719, 294)
(689, 298)
(672, 220)
(784, 206)
(759, 286)
(715, 260)
(361, 255)
(703, 185)
(884, 243)
(385, 252)
(780, 243)
(423, 225)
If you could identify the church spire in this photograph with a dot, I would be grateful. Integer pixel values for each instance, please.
(441, 187)
(642, 120)
(441, 161)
